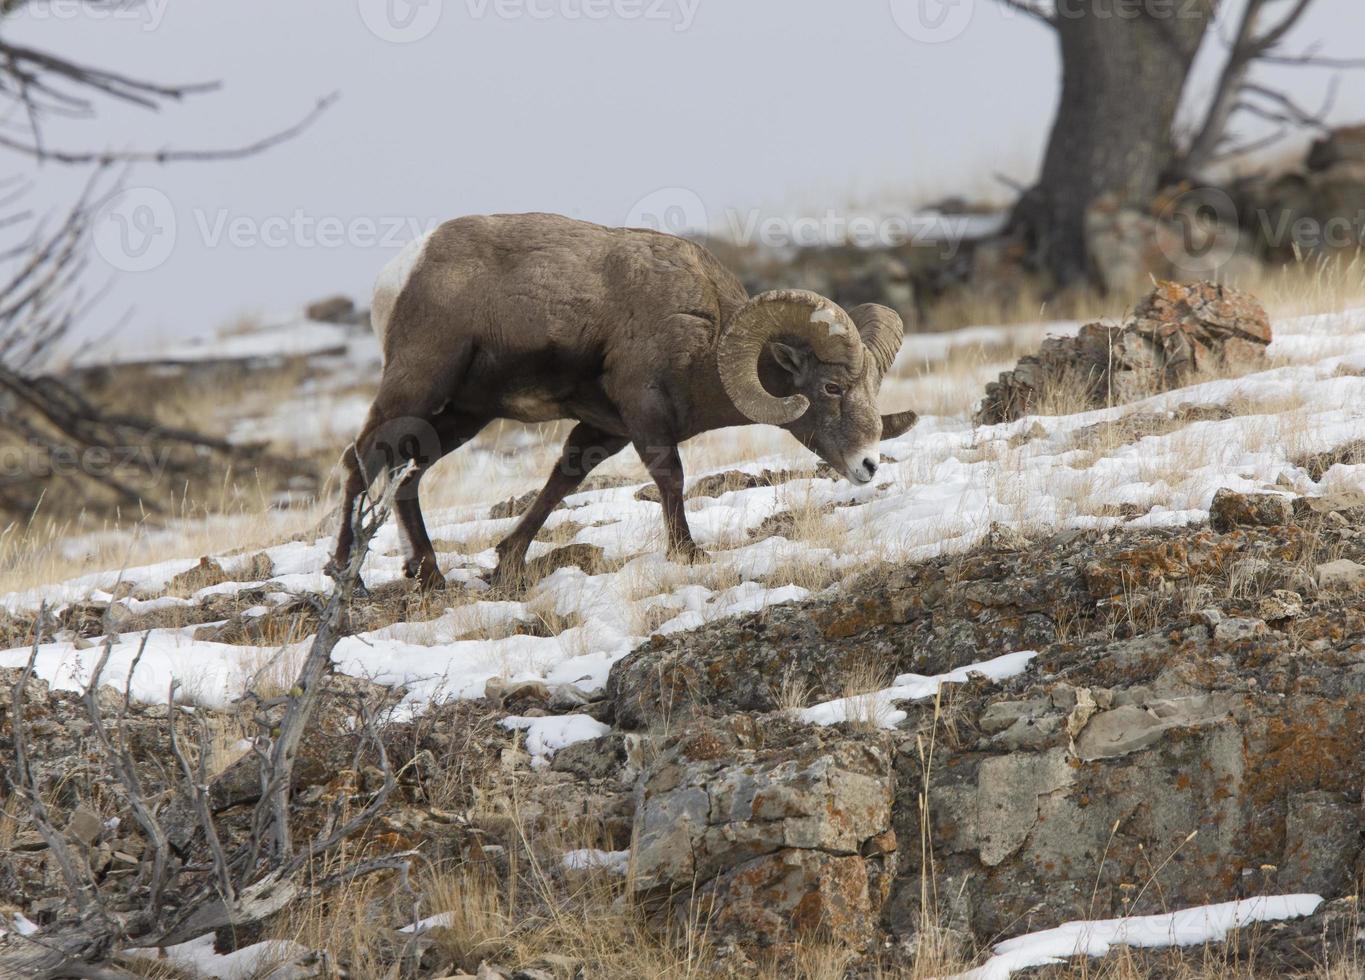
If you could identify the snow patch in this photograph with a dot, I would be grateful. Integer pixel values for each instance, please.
(875, 707)
(591, 859)
(1188, 927)
(546, 736)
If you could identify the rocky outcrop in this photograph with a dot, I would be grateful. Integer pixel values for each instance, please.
(912, 621)
(1191, 731)
(1232, 510)
(770, 834)
(1174, 334)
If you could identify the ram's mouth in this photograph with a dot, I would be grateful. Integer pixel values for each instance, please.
(853, 474)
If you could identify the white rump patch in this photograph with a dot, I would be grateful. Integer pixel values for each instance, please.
(390, 283)
(830, 318)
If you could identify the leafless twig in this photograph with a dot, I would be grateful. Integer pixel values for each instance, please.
(121, 760)
(198, 787)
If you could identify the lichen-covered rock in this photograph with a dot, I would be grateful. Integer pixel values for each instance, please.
(208, 572)
(917, 621)
(1175, 332)
(774, 833)
(1194, 718)
(1342, 575)
(1231, 509)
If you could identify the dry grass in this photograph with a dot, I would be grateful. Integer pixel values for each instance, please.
(9, 820)
(1023, 304)
(862, 682)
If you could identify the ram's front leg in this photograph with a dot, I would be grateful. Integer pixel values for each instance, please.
(665, 466)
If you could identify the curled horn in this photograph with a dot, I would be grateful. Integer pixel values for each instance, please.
(832, 335)
(882, 332)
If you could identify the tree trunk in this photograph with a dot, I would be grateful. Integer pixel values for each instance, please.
(1124, 65)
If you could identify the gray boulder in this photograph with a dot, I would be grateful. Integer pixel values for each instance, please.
(769, 830)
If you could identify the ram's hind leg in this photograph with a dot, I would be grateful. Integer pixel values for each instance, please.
(407, 422)
(583, 451)
(355, 482)
(453, 430)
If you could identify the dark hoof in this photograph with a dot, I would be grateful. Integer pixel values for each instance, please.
(509, 578)
(691, 555)
(428, 576)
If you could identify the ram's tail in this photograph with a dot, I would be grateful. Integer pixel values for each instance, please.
(393, 278)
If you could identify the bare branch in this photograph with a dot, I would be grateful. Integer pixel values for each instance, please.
(80, 883)
(1031, 9)
(272, 810)
(199, 792)
(1212, 132)
(1253, 146)
(1291, 112)
(1311, 58)
(1265, 42)
(124, 768)
(171, 155)
(122, 88)
(371, 810)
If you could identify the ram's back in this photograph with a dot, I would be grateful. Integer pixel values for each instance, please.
(551, 306)
(525, 281)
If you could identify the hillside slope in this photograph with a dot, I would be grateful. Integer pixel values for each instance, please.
(1139, 712)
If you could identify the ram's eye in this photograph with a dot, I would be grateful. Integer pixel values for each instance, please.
(833, 389)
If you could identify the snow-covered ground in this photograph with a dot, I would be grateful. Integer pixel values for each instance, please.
(948, 484)
(1187, 927)
(279, 337)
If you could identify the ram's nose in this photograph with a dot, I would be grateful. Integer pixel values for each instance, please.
(861, 468)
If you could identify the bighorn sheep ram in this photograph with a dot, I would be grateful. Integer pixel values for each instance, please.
(643, 338)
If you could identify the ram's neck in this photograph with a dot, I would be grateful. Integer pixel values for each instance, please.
(710, 406)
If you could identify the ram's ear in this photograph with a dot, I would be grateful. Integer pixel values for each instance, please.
(791, 359)
(897, 424)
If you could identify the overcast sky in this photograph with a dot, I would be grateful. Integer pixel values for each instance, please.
(610, 110)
